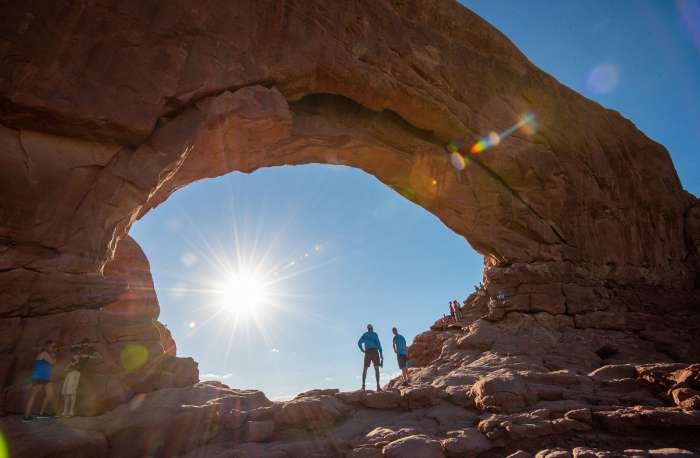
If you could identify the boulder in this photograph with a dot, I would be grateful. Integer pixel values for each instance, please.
(686, 398)
(582, 415)
(468, 443)
(416, 397)
(311, 412)
(553, 453)
(383, 435)
(586, 452)
(417, 446)
(502, 392)
(352, 397)
(382, 400)
(160, 432)
(318, 392)
(460, 395)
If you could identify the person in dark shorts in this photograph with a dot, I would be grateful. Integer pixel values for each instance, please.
(399, 345)
(373, 353)
(41, 379)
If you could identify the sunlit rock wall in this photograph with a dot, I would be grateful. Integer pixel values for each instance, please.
(108, 107)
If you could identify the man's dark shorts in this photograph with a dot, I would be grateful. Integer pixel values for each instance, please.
(38, 381)
(372, 356)
(402, 360)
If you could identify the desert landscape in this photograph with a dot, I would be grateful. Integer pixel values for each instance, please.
(583, 340)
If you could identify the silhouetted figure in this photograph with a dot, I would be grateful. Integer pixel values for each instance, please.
(399, 344)
(82, 354)
(41, 379)
(373, 353)
(458, 311)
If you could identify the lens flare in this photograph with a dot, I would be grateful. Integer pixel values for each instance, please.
(527, 124)
(603, 79)
(690, 15)
(458, 161)
(133, 357)
(4, 449)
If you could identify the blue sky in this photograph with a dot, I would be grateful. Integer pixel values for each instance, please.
(336, 249)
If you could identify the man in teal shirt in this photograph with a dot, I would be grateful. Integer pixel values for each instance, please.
(373, 353)
(399, 345)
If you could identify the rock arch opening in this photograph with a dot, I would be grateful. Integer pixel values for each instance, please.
(333, 248)
(586, 221)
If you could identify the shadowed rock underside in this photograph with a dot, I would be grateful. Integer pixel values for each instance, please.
(582, 337)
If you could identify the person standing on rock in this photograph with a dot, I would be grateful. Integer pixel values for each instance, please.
(373, 353)
(82, 354)
(401, 353)
(458, 311)
(41, 379)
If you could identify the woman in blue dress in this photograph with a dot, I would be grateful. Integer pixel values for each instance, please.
(41, 378)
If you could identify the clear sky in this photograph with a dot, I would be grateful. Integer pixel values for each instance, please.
(330, 248)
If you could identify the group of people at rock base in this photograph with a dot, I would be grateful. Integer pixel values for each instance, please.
(372, 348)
(42, 372)
(45, 361)
(454, 316)
(456, 310)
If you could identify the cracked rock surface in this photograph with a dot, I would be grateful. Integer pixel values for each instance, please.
(584, 331)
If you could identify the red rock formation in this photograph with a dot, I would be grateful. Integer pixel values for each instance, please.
(126, 322)
(144, 111)
(592, 247)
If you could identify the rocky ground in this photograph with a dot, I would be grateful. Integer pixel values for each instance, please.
(525, 385)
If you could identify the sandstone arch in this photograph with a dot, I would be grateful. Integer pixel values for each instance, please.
(108, 107)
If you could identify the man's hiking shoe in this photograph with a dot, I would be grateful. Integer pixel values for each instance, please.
(28, 419)
(44, 417)
(379, 389)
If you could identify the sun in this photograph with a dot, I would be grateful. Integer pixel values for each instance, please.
(244, 293)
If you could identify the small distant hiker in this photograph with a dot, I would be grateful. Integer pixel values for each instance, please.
(401, 353)
(82, 353)
(373, 353)
(458, 311)
(41, 379)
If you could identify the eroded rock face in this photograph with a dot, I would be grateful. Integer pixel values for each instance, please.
(142, 113)
(588, 315)
(137, 351)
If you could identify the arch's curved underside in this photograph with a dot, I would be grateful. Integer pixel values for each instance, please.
(108, 107)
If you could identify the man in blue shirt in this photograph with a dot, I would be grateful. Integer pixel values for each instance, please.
(373, 353)
(401, 353)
